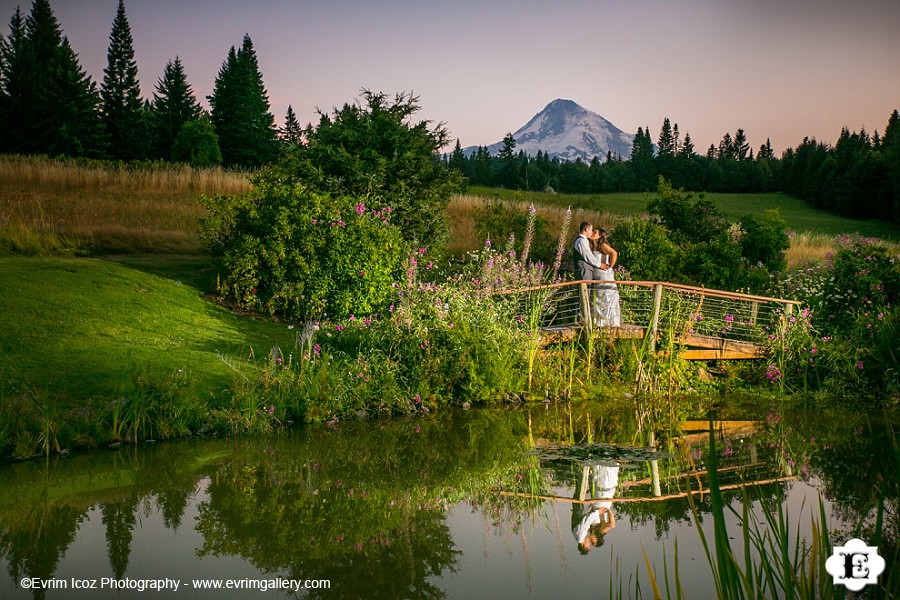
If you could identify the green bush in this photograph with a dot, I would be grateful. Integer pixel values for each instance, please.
(645, 250)
(197, 144)
(292, 252)
(715, 263)
(764, 240)
(688, 222)
(377, 153)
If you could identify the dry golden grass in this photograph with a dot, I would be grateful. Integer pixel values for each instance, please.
(108, 207)
(463, 208)
(809, 248)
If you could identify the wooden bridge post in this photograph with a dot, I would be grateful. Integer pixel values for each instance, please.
(653, 328)
(584, 299)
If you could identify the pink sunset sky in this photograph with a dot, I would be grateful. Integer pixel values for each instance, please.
(779, 69)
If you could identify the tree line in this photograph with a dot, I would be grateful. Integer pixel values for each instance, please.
(858, 177)
(50, 105)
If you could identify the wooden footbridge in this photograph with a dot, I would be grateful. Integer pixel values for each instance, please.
(710, 324)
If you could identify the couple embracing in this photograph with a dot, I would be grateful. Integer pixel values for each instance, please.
(594, 260)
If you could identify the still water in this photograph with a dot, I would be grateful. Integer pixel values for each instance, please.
(536, 502)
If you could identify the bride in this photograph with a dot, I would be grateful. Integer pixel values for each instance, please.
(605, 310)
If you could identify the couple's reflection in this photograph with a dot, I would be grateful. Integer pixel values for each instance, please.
(591, 521)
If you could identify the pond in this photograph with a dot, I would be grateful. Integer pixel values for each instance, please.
(540, 501)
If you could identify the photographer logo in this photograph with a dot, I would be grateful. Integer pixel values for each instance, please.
(855, 565)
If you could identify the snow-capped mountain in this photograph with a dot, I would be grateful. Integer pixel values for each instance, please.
(568, 131)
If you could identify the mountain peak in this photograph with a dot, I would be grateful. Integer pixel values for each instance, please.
(568, 131)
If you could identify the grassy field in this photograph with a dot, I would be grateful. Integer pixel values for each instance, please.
(798, 215)
(51, 206)
(813, 231)
(77, 329)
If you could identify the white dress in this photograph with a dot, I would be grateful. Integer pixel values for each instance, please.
(605, 311)
(604, 480)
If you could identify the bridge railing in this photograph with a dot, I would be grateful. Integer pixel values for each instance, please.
(689, 311)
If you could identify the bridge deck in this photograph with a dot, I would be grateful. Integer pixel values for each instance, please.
(709, 324)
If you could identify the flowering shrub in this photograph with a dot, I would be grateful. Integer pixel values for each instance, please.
(296, 253)
(845, 342)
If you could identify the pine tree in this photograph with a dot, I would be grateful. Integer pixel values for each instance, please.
(666, 139)
(642, 159)
(43, 40)
(687, 148)
(174, 104)
(726, 148)
(741, 146)
(890, 144)
(78, 130)
(765, 151)
(291, 134)
(240, 110)
(458, 160)
(121, 103)
(52, 103)
(13, 79)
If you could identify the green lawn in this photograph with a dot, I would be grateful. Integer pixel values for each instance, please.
(798, 215)
(76, 328)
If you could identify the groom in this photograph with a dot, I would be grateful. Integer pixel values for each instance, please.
(585, 261)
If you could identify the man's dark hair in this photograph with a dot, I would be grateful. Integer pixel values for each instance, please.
(584, 225)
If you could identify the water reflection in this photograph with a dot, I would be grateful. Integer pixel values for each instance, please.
(415, 508)
(592, 519)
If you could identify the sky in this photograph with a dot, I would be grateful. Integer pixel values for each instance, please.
(779, 69)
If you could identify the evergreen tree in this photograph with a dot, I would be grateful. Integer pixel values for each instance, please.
(13, 82)
(765, 151)
(291, 134)
(240, 110)
(121, 104)
(77, 128)
(666, 141)
(52, 103)
(741, 146)
(687, 148)
(508, 174)
(642, 160)
(509, 145)
(890, 148)
(458, 160)
(726, 148)
(34, 119)
(483, 173)
(174, 104)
